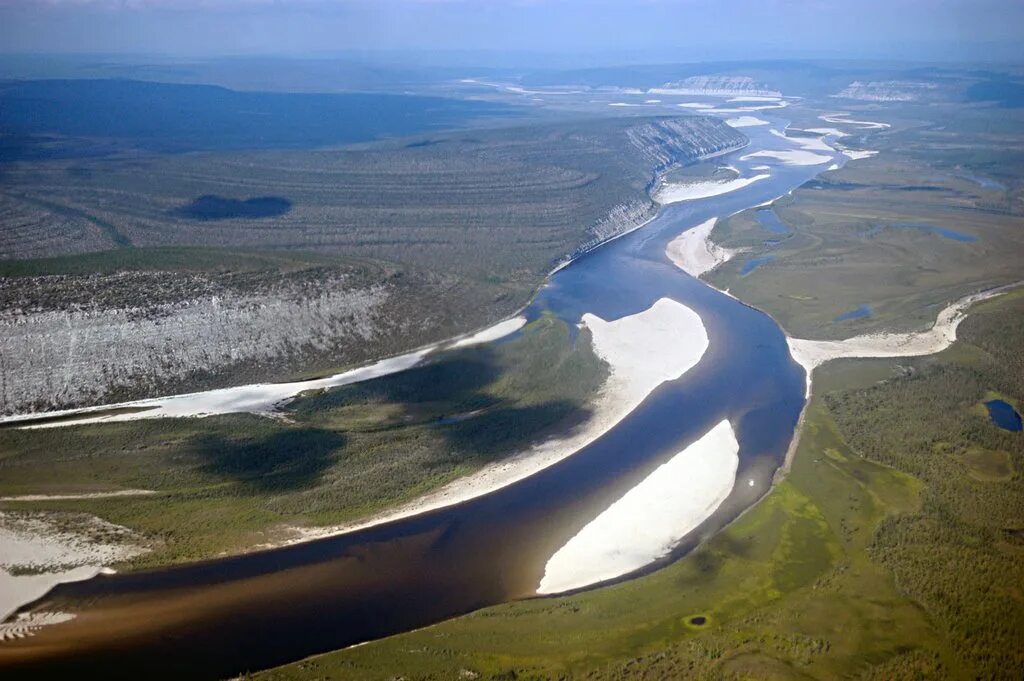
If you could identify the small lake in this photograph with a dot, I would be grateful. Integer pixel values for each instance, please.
(860, 312)
(933, 229)
(752, 264)
(1004, 415)
(769, 219)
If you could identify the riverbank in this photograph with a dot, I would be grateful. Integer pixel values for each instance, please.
(642, 351)
(650, 519)
(812, 353)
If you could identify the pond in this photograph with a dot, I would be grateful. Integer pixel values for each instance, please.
(859, 313)
(1004, 415)
(769, 219)
(752, 264)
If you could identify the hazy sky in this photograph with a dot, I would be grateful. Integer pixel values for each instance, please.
(687, 29)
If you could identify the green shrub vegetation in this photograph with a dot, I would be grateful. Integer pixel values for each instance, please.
(880, 556)
(226, 483)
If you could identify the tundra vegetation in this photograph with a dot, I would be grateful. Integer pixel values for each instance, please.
(892, 550)
(923, 222)
(303, 261)
(229, 483)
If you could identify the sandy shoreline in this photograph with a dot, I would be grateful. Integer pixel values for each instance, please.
(257, 398)
(695, 253)
(812, 353)
(675, 192)
(650, 519)
(40, 550)
(643, 351)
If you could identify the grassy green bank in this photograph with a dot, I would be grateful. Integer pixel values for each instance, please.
(883, 554)
(902, 233)
(230, 482)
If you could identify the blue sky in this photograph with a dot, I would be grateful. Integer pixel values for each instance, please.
(629, 30)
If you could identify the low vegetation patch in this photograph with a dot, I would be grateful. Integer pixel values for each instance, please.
(227, 483)
(879, 557)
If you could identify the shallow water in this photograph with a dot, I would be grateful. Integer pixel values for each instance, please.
(860, 312)
(770, 220)
(223, 617)
(753, 263)
(933, 229)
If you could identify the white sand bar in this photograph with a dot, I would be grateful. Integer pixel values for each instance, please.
(496, 332)
(843, 118)
(650, 519)
(258, 398)
(857, 155)
(695, 253)
(745, 122)
(40, 550)
(793, 157)
(671, 192)
(78, 496)
(812, 353)
(642, 351)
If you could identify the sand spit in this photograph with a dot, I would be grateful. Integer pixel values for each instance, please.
(643, 351)
(754, 98)
(856, 155)
(812, 353)
(83, 495)
(27, 624)
(827, 131)
(695, 253)
(793, 157)
(842, 118)
(496, 332)
(259, 398)
(40, 550)
(745, 122)
(650, 519)
(670, 192)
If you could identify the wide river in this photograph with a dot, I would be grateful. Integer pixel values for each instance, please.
(224, 617)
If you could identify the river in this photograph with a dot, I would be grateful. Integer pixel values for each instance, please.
(224, 617)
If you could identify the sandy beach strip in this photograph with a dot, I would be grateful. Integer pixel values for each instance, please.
(80, 496)
(745, 122)
(650, 519)
(489, 335)
(675, 192)
(258, 398)
(842, 118)
(812, 353)
(40, 550)
(793, 157)
(642, 350)
(695, 253)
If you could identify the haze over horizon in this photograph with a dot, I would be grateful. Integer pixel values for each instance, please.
(569, 32)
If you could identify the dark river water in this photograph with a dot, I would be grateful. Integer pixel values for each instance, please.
(223, 617)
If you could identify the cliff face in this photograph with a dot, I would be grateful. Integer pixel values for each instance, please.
(664, 144)
(673, 142)
(717, 86)
(887, 91)
(76, 338)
